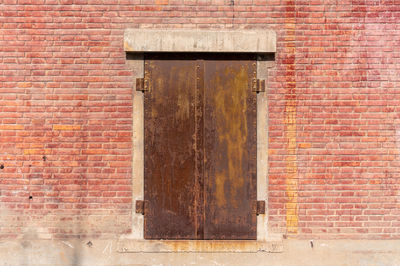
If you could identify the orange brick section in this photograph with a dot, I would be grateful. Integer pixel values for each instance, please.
(11, 127)
(66, 127)
(333, 99)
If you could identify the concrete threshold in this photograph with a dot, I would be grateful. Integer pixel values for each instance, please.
(206, 246)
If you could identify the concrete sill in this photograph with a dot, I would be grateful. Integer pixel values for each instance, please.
(209, 246)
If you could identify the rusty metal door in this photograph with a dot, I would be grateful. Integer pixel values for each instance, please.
(200, 148)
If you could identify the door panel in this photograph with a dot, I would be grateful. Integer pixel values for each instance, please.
(230, 150)
(169, 184)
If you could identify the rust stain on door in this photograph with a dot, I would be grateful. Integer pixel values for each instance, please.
(232, 131)
(230, 150)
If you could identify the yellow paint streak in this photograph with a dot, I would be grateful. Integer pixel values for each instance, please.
(24, 84)
(66, 127)
(11, 127)
(231, 124)
(208, 246)
(291, 169)
(291, 206)
(127, 47)
(304, 145)
(317, 49)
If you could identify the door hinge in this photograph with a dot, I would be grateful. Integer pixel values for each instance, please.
(258, 85)
(259, 207)
(141, 206)
(142, 84)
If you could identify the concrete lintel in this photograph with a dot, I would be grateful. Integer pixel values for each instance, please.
(215, 246)
(238, 41)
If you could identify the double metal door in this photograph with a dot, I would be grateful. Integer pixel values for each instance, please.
(200, 147)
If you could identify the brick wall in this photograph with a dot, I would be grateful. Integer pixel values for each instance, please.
(66, 112)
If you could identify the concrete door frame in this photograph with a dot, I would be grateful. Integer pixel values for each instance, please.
(140, 41)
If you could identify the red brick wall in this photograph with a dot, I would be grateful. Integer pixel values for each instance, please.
(66, 112)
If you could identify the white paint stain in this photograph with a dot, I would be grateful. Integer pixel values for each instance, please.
(108, 248)
(67, 244)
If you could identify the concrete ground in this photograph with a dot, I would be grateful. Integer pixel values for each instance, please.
(103, 252)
